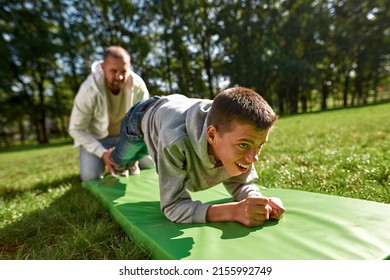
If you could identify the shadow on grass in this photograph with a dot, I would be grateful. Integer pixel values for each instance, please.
(40, 188)
(73, 226)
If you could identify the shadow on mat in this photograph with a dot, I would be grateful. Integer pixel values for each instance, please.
(144, 222)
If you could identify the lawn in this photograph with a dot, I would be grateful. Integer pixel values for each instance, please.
(341, 152)
(45, 213)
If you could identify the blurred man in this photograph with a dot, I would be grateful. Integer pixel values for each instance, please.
(99, 107)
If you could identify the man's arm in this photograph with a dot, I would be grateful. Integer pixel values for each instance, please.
(80, 118)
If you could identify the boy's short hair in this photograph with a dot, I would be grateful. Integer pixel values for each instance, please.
(116, 52)
(241, 104)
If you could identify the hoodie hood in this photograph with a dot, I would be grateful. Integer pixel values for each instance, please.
(196, 119)
(98, 76)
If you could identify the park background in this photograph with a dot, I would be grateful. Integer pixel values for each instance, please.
(323, 65)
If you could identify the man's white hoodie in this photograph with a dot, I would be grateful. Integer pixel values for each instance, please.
(89, 119)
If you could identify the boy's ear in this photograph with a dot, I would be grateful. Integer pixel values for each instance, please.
(211, 133)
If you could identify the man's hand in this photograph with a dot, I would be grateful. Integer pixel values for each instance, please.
(106, 157)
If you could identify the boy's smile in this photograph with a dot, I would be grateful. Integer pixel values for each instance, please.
(237, 149)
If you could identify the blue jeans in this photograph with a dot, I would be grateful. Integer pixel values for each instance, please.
(91, 166)
(131, 146)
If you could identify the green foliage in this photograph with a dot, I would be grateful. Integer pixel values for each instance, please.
(301, 55)
(45, 213)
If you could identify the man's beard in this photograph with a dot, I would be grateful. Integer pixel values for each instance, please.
(115, 87)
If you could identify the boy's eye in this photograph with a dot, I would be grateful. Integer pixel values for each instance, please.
(244, 146)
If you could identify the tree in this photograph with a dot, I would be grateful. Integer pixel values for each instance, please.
(31, 49)
(298, 54)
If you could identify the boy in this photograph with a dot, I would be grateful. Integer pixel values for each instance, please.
(197, 144)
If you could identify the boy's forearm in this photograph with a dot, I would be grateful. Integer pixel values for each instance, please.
(252, 211)
(222, 212)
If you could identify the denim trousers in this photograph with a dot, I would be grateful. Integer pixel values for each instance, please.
(91, 166)
(131, 146)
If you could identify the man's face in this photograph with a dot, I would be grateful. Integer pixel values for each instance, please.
(115, 73)
(237, 149)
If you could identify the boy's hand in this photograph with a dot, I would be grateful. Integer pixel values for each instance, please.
(253, 211)
(277, 208)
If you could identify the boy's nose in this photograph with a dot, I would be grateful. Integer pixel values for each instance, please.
(253, 155)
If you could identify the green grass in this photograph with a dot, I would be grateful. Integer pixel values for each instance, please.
(45, 213)
(341, 152)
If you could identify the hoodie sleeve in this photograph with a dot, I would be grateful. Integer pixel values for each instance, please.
(176, 203)
(80, 118)
(241, 187)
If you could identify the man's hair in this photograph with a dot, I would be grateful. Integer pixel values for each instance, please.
(243, 105)
(116, 52)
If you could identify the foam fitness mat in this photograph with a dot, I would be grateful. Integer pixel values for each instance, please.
(314, 227)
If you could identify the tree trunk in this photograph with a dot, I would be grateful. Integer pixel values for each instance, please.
(168, 72)
(280, 102)
(345, 91)
(325, 94)
(358, 89)
(205, 43)
(304, 102)
(207, 66)
(21, 131)
(294, 96)
(41, 132)
(41, 114)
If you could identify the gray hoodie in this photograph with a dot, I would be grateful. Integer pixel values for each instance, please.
(175, 133)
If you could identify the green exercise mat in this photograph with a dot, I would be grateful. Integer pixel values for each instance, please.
(314, 227)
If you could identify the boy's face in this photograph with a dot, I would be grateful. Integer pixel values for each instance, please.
(237, 149)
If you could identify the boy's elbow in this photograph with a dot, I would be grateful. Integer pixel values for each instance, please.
(177, 214)
(172, 216)
(186, 212)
